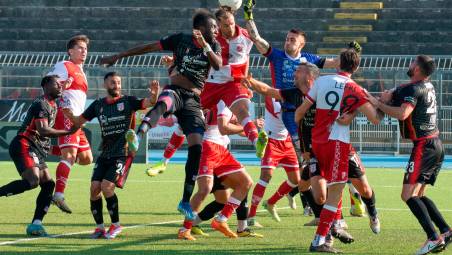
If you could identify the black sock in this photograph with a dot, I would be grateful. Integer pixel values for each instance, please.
(113, 208)
(242, 210)
(152, 117)
(96, 210)
(294, 192)
(316, 208)
(14, 188)
(304, 202)
(419, 210)
(435, 215)
(210, 210)
(370, 204)
(191, 170)
(44, 199)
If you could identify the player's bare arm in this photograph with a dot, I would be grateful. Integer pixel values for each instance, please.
(371, 113)
(139, 50)
(42, 126)
(215, 60)
(261, 87)
(347, 118)
(261, 44)
(76, 120)
(228, 128)
(301, 110)
(400, 113)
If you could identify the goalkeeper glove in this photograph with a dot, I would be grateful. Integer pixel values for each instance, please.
(248, 9)
(355, 45)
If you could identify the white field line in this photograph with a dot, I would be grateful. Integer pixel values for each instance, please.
(23, 240)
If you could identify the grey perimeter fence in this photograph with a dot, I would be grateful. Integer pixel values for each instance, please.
(20, 74)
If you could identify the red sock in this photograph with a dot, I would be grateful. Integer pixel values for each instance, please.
(188, 224)
(258, 193)
(62, 174)
(250, 130)
(339, 210)
(174, 144)
(326, 220)
(283, 190)
(229, 208)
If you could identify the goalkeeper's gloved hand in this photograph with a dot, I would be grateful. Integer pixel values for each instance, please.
(355, 45)
(248, 9)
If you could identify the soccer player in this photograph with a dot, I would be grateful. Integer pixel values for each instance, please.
(75, 147)
(217, 160)
(194, 55)
(283, 64)
(29, 150)
(116, 114)
(414, 105)
(224, 84)
(334, 96)
(279, 152)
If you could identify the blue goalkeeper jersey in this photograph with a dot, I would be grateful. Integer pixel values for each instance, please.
(282, 69)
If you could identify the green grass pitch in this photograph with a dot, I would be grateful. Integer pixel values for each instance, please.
(148, 210)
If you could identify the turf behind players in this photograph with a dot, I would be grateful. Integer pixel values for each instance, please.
(194, 55)
(116, 114)
(414, 105)
(30, 147)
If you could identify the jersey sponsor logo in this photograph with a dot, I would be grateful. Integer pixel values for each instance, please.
(239, 48)
(120, 106)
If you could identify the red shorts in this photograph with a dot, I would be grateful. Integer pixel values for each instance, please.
(230, 93)
(76, 140)
(280, 153)
(333, 159)
(217, 160)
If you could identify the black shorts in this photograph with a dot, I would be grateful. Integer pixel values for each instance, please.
(26, 155)
(186, 106)
(355, 167)
(310, 169)
(217, 185)
(425, 162)
(108, 168)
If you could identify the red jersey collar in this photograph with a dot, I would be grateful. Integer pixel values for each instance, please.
(112, 100)
(346, 74)
(50, 101)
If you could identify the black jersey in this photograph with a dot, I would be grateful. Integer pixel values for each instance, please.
(189, 59)
(115, 118)
(40, 109)
(295, 97)
(422, 122)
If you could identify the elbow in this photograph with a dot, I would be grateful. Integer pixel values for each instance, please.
(223, 130)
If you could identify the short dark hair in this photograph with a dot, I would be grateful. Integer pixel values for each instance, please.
(426, 64)
(313, 69)
(48, 79)
(222, 12)
(75, 39)
(349, 60)
(299, 32)
(201, 17)
(110, 74)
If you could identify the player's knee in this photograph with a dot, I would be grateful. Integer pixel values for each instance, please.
(303, 185)
(108, 188)
(95, 190)
(405, 196)
(85, 159)
(320, 199)
(248, 184)
(204, 191)
(33, 180)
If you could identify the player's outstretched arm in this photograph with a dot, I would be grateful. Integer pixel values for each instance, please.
(261, 44)
(227, 128)
(42, 126)
(371, 113)
(76, 120)
(139, 50)
(260, 87)
(400, 113)
(334, 63)
(301, 110)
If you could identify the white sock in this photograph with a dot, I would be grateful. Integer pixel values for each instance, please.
(101, 226)
(37, 222)
(197, 221)
(242, 225)
(221, 218)
(58, 195)
(318, 240)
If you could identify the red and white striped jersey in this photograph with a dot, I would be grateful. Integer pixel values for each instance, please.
(334, 95)
(273, 124)
(73, 97)
(212, 134)
(235, 53)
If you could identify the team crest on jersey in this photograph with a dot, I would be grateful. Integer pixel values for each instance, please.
(239, 48)
(120, 106)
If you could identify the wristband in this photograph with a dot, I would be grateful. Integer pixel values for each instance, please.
(206, 48)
